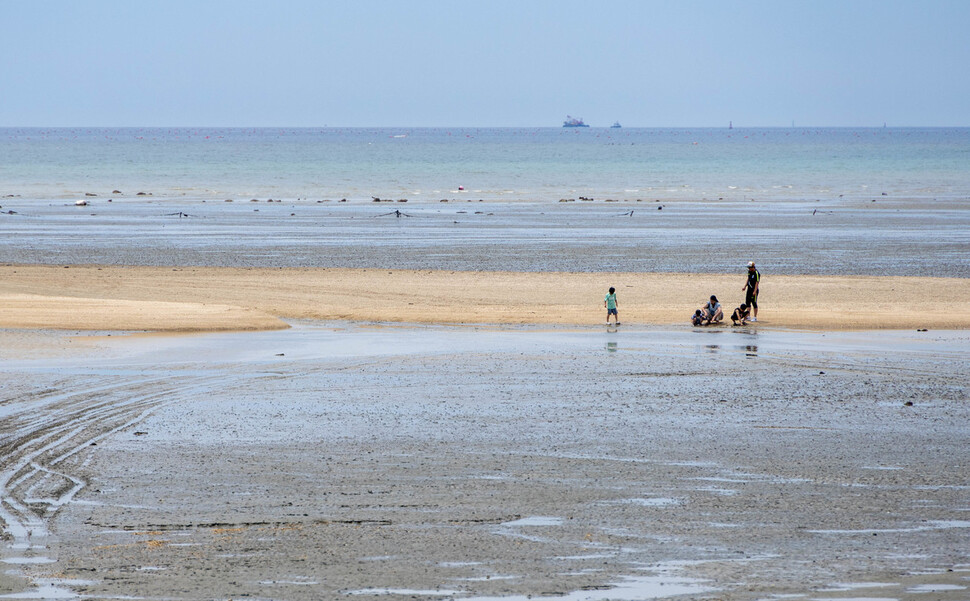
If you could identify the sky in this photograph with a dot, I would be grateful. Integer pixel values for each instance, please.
(454, 63)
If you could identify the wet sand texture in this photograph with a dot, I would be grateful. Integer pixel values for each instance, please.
(217, 298)
(452, 463)
(897, 237)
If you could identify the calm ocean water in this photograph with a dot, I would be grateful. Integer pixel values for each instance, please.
(492, 164)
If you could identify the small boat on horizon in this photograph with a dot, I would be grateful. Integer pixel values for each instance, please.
(573, 122)
(616, 125)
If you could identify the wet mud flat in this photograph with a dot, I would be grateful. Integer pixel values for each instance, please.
(902, 237)
(382, 462)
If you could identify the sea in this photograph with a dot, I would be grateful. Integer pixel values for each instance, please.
(879, 201)
(532, 164)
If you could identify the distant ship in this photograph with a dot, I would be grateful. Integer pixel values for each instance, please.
(616, 125)
(572, 122)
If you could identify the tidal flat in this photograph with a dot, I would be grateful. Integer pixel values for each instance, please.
(383, 461)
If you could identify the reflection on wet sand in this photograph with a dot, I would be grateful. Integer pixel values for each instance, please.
(484, 462)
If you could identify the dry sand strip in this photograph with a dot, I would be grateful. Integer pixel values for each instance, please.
(28, 311)
(220, 298)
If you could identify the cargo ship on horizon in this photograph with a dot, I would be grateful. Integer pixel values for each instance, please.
(573, 122)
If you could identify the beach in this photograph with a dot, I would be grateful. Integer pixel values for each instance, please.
(219, 432)
(230, 370)
(368, 461)
(174, 299)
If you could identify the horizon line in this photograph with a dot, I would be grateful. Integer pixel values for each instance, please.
(327, 126)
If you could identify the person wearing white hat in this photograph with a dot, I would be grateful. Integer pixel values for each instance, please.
(751, 286)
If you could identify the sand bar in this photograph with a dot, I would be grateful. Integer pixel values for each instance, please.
(219, 298)
(30, 311)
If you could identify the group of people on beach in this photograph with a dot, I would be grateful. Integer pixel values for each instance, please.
(711, 312)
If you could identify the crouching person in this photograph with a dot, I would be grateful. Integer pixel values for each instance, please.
(740, 315)
(712, 311)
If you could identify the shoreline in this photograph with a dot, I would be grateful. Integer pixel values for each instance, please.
(195, 299)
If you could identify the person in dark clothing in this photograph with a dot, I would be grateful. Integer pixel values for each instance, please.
(752, 285)
(740, 315)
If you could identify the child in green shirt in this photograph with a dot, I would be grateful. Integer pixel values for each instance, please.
(610, 303)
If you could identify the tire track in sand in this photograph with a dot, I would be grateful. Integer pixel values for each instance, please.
(39, 434)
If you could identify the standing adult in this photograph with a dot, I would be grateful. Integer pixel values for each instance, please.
(752, 286)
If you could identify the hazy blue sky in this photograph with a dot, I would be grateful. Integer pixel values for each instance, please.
(507, 63)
